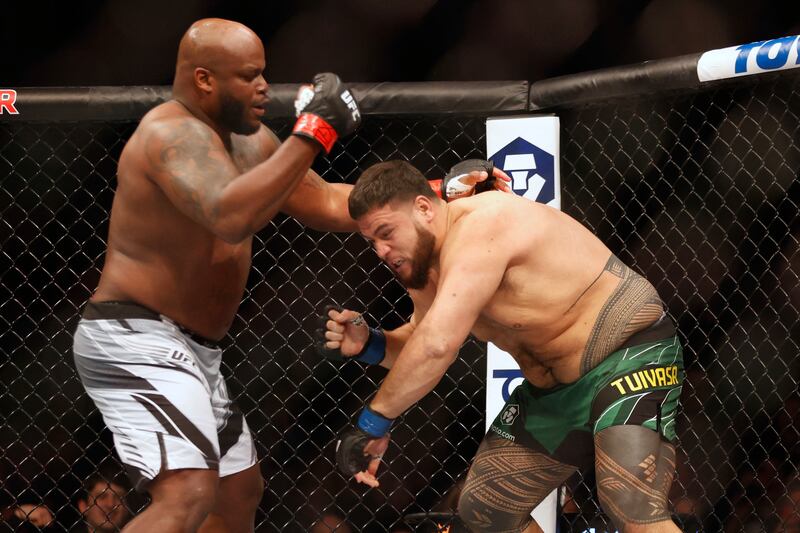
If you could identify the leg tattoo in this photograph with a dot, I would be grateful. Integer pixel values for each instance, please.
(634, 474)
(505, 483)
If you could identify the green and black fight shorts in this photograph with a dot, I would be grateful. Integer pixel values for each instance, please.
(638, 384)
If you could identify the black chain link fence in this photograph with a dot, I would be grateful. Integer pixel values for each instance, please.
(698, 191)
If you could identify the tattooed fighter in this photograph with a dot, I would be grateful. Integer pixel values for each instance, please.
(602, 365)
(199, 176)
(197, 179)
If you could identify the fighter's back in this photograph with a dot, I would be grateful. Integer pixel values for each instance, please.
(159, 257)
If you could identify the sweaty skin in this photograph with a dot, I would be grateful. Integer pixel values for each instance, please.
(191, 191)
(559, 301)
(543, 288)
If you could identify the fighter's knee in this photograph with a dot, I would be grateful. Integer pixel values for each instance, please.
(667, 525)
(470, 516)
(632, 511)
(479, 518)
(253, 492)
(240, 495)
(189, 492)
(470, 512)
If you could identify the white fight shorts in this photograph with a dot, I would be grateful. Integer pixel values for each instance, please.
(160, 392)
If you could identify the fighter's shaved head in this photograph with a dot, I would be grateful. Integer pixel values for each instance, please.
(219, 74)
(214, 43)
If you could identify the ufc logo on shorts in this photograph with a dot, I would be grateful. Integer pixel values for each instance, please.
(7, 99)
(182, 357)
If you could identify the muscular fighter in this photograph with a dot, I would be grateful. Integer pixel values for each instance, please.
(199, 176)
(602, 365)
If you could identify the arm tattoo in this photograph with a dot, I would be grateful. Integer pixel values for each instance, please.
(195, 167)
(632, 306)
(504, 484)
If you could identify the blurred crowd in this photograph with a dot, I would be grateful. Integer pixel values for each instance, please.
(103, 503)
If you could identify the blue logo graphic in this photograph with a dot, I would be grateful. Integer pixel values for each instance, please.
(532, 170)
(508, 375)
(770, 55)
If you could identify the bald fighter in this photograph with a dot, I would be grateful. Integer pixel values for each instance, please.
(602, 365)
(199, 176)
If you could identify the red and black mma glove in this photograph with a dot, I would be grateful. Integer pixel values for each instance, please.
(373, 351)
(452, 188)
(351, 456)
(325, 111)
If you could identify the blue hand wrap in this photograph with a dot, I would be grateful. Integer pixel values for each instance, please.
(373, 423)
(375, 349)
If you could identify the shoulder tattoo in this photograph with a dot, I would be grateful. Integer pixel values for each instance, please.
(192, 164)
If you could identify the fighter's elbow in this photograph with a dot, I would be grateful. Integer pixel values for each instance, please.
(330, 220)
(232, 230)
(232, 238)
(443, 351)
(235, 221)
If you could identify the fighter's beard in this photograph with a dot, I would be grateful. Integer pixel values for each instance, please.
(232, 116)
(423, 258)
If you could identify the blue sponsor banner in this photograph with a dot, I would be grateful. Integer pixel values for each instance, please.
(752, 58)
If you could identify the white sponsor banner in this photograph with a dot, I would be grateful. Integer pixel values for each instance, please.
(527, 149)
(748, 59)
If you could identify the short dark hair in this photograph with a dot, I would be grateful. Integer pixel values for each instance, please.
(384, 182)
(106, 473)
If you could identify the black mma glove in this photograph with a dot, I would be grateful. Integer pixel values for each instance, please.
(350, 454)
(453, 187)
(325, 111)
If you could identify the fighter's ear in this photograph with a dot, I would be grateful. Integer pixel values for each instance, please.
(424, 206)
(203, 79)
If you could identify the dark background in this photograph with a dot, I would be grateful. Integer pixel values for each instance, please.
(94, 42)
(699, 192)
